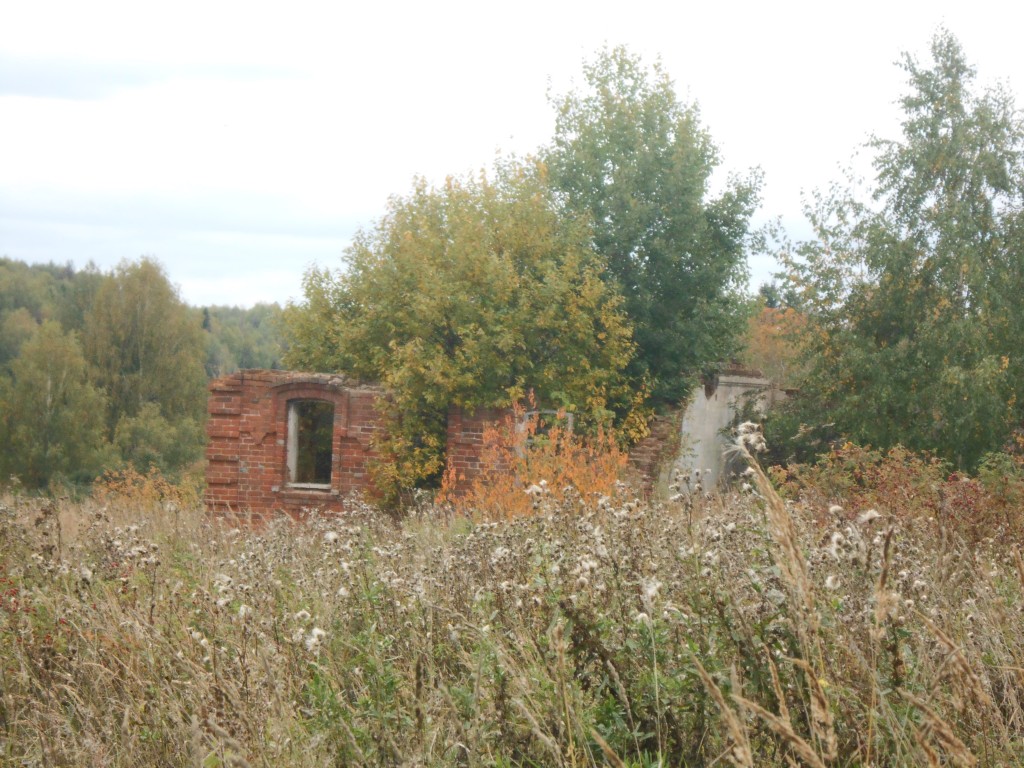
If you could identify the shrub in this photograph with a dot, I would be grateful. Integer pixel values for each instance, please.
(129, 487)
(861, 477)
(913, 486)
(535, 458)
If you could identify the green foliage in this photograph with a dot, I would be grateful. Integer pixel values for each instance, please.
(149, 440)
(145, 350)
(52, 417)
(775, 296)
(469, 295)
(914, 300)
(75, 293)
(47, 291)
(16, 327)
(240, 337)
(635, 160)
(22, 286)
(31, 294)
(145, 346)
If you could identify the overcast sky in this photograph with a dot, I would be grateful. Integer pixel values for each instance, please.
(239, 143)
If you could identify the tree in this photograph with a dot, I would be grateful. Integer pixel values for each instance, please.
(16, 327)
(914, 298)
(47, 291)
(773, 343)
(51, 417)
(150, 440)
(74, 295)
(469, 294)
(638, 162)
(28, 287)
(774, 296)
(145, 346)
(242, 338)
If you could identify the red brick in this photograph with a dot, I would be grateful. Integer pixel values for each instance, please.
(247, 428)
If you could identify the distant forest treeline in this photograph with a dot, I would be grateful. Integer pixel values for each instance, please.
(101, 370)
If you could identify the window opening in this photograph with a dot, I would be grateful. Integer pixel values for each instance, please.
(310, 439)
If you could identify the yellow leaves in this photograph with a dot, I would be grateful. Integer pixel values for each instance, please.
(466, 292)
(774, 340)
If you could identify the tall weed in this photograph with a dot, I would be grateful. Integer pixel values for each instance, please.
(755, 629)
(535, 460)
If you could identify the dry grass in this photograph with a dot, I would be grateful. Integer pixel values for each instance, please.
(740, 629)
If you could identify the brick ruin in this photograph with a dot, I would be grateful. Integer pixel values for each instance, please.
(284, 441)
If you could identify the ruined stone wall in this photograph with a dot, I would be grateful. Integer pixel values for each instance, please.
(247, 450)
(247, 471)
(711, 410)
(650, 459)
(465, 445)
(247, 433)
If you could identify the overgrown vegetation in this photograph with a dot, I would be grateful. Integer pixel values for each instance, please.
(739, 629)
(634, 159)
(911, 289)
(604, 275)
(468, 295)
(862, 608)
(102, 371)
(242, 337)
(535, 444)
(596, 276)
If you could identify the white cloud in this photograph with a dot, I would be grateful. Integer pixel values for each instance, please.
(133, 126)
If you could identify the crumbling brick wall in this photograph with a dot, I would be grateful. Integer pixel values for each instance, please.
(651, 458)
(247, 449)
(465, 442)
(247, 455)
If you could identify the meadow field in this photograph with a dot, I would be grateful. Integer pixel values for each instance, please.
(864, 612)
